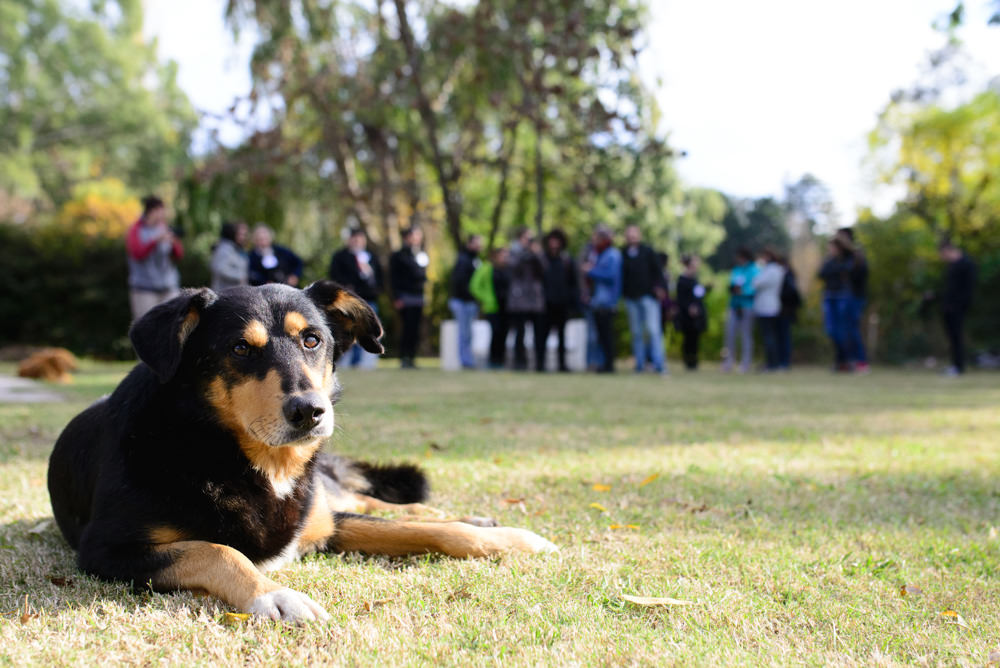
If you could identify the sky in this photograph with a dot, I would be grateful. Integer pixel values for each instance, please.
(757, 93)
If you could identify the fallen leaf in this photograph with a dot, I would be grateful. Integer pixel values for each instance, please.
(233, 618)
(648, 479)
(623, 526)
(598, 487)
(60, 581)
(27, 615)
(371, 605)
(599, 507)
(959, 620)
(40, 528)
(652, 601)
(485, 420)
(436, 446)
(910, 590)
(497, 460)
(512, 502)
(631, 526)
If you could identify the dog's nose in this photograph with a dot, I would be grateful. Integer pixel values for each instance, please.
(304, 411)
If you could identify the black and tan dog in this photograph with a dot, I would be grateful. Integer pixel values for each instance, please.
(202, 469)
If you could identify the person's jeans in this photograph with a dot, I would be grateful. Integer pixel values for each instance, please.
(836, 316)
(604, 319)
(784, 342)
(852, 330)
(644, 322)
(953, 327)
(357, 356)
(595, 356)
(739, 320)
(769, 335)
(465, 313)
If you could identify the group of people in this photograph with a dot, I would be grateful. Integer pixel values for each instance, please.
(538, 283)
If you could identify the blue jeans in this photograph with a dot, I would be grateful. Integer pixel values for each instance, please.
(359, 357)
(769, 334)
(855, 344)
(465, 313)
(595, 356)
(836, 317)
(646, 327)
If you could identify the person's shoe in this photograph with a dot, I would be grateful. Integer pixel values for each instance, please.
(952, 372)
(563, 369)
(862, 368)
(407, 363)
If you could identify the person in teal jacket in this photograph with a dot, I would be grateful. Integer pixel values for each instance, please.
(489, 285)
(740, 315)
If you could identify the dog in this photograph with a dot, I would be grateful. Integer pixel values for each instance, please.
(203, 469)
(51, 364)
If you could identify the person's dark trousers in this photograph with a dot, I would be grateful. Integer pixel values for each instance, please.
(410, 335)
(834, 318)
(689, 348)
(769, 335)
(555, 318)
(604, 322)
(855, 344)
(518, 322)
(953, 327)
(784, 342)
(498, 338)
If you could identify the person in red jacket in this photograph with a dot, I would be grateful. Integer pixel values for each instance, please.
(152, 248)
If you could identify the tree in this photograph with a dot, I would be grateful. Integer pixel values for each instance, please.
(82, 97)
(752, 224)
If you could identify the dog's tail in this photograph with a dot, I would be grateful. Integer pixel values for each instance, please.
(400, 483)
(395, 483)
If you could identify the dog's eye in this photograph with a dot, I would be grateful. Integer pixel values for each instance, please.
(241, 349)
(310, 341)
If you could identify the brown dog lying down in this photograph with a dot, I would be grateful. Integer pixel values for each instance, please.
(51, 364)
(203, 469)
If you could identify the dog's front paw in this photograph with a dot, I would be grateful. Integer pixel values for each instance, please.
(522, 540)
(287, 605)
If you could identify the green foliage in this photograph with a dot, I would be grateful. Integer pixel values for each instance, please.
(753, 224)
(83, 97)
(67, 288)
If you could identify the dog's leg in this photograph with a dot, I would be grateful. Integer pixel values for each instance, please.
(371, 535)
(229, 575)
(364, 504)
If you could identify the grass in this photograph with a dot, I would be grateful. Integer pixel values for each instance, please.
(790, 509)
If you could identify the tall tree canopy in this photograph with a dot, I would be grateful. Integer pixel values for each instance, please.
(82, 97)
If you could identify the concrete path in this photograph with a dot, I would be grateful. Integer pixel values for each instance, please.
(14, 390)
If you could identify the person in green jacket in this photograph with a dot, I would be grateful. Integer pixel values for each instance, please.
(489, 285)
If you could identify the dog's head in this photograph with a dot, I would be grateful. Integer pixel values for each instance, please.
(264, 358)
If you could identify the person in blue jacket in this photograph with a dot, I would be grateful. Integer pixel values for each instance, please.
(740, 315)
(605, 276)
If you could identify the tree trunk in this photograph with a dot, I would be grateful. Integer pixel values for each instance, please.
(446, 175)
(539, 178)
(505, 158)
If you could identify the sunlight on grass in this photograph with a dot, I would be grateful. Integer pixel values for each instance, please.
(793, 512)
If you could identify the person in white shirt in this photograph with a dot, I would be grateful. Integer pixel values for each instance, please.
(767, 304)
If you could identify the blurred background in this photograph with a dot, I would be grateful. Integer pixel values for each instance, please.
(710, 125)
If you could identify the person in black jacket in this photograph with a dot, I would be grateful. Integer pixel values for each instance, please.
(791, 302)
(461, 302)
(562, 286)
(836, 276)
(271, 263)
(856, 354)
(643, 289)
(691, 319)
(408, 274)
(361, 272)
(956, 298)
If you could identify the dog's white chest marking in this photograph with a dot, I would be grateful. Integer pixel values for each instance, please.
(283, 486)
(289, 554)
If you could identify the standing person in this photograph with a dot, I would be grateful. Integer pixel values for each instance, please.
(767, 305)
(595, 358)
(561, 291)
(408, 273)
(489, 285)
(835, 273)
(271, 263)
(691, 319)
(354, 267)
(956, 298)
(791, 301)
(230, 264)
(461, 302)
(740, 315)
(643, 288)
(152, 249)
(857, 356)
(526, 298)
(605, 273)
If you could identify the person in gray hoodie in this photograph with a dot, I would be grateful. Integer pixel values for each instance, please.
(152, 249)
(230, 262)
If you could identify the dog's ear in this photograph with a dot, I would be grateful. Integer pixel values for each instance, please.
(349, 316)
(159, 336)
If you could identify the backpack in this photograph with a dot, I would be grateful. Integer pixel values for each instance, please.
(791, 299)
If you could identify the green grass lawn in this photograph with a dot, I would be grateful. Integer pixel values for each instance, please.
(792, 510)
